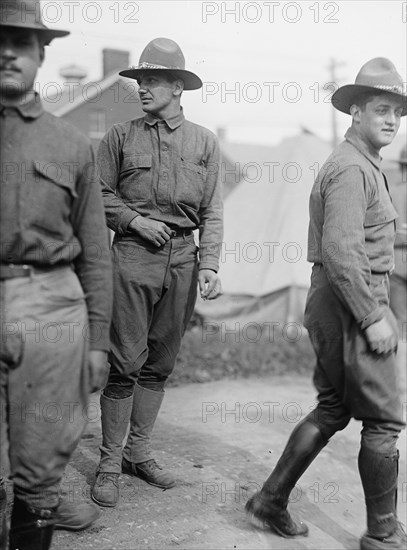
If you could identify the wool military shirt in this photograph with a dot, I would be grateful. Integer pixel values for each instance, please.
(166, 170)
(51, 206)
(352, 225)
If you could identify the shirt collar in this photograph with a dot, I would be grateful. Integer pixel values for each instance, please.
(172, 122)
(32, 109)
(352, 137)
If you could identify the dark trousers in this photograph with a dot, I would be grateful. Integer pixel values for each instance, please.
(43, 381)
(154, 297)
(351, 380)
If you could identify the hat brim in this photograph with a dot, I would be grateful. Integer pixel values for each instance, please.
(46, 34)
(345, 97)
(191, 80)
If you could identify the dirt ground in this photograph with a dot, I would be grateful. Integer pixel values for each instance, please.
(221, 439)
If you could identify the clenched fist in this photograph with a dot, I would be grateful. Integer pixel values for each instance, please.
(157, 233)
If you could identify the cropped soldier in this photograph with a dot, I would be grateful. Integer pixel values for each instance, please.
(56, 289)
(398, 279)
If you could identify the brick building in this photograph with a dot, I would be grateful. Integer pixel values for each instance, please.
(95, 106)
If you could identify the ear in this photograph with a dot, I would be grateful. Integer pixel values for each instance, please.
(42, 54)
(41, 48)
(355, 111)
(178, 87)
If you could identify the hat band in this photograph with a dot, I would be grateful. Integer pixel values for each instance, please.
(147, 65)
(395, 89)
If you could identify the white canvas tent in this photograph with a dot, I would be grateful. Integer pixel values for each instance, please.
(264, 272)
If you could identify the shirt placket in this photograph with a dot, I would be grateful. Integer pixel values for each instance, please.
(164, 143)
(10, 141)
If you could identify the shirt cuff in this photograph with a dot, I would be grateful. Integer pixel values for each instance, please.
(125, 220)
(99, 336)
(208, 265)
(208, 268)
(374, 316)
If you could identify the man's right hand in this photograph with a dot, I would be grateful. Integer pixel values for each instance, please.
(157, 233)
(381, 337)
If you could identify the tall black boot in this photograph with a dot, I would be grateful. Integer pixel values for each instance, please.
(379, 473)
(31, 528)
(3, 517)
(270, 504)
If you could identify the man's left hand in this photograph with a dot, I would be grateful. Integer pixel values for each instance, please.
(209, 284)
(98, 370)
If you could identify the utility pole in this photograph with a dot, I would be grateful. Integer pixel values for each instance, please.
(333, 84)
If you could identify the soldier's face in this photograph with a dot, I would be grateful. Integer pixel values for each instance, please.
(379, 121)
(158, 93)
(21, 54)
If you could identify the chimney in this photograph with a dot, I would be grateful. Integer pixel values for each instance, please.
(73, 73)
(114, 61)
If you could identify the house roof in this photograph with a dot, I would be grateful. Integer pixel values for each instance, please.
(76, 94)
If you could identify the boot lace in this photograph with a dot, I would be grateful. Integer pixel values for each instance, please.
(151, 465)
(107, 476)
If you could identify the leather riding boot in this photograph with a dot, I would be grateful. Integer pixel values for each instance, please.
(3, 517)
(136, 453)
(115, 420)
(31, 528)
(379, 473)
(270, 504)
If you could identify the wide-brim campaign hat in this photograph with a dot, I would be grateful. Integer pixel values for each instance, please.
(377, 75)
(26, 14)
(163, 54)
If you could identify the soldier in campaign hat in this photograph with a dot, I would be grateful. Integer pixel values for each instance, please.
(352, 329)
(398, 279)
(56, 290)
(159, 176)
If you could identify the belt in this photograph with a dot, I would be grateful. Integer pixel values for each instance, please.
(179, 232)
(382, 273)
(12, 271)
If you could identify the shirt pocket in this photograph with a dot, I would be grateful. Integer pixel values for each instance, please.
(380, 213)
(136, 176)
(190, 187)
(49, 197)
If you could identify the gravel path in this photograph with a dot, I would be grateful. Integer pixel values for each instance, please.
(222, 439)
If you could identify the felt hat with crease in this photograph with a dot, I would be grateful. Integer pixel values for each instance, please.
(27, 15)
(377, 75)
(163, 54)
